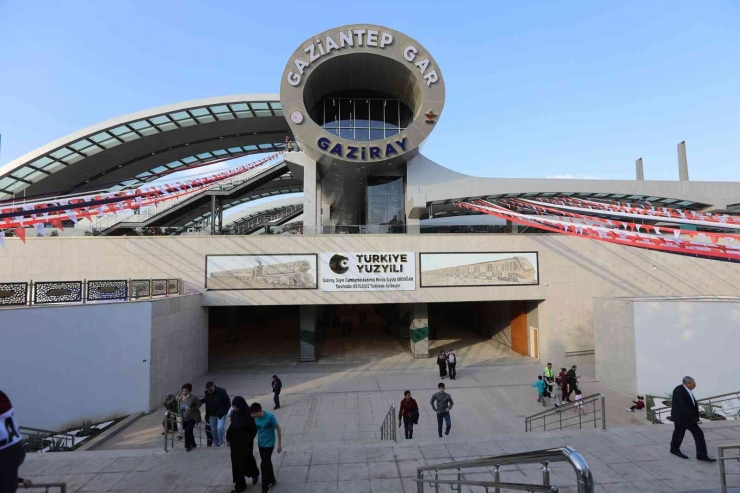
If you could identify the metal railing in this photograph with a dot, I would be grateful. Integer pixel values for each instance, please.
(721, 457)
(584, 478)
(388, 429)
(62, 486)
(724, 406)
(581, 352)
(260, 219)
(171, 428)
(35, 438)
(585, 411)
(85, 291)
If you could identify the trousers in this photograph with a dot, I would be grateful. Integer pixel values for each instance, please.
(408, 428)
(218, 428)
(680, 430)
(276, 399)
(453, 372)
(189, 425)
(268, 473)
(446, 418)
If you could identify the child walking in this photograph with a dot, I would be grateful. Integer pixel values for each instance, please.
(540, 384)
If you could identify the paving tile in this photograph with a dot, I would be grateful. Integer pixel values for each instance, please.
(654, 486)
(323, 472)
(296, 458)
(103, 482)
(631, 472)
(435, 451)
(407, 468)
(292, 474)
(352, 472)
(355, 486)
(324, 487)
(383, 470)
(386, 486)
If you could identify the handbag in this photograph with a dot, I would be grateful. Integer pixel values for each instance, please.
(414, 416)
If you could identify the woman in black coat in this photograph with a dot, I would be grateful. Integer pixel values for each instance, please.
(240, 437)
(442, 363)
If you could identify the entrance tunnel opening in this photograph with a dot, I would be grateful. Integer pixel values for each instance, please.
(242, 337)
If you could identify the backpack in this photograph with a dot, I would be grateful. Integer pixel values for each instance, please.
(414, 416)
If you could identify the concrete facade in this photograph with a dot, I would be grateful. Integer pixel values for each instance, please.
(573, 272)
(646, 345)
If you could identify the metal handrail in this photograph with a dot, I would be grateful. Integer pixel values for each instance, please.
(388, 428)
(721, 457)
(62, 486)
(711, 402)
(584, 477)
(50, 435)
(566, 422)
(171, 419)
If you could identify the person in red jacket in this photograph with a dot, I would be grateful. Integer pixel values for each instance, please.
(408, 405)
(11, 448)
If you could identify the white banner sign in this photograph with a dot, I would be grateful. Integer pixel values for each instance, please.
(376, 271)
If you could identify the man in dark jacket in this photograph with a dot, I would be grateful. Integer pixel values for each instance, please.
(277, 386)
(685, 416)
(217, 409)
(11, 447)
(572, 381)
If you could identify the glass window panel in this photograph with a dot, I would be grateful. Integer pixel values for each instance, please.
(40, 163)
(158, 120)
(251, 147)
(206, 119)
(377, 212)
(239, 107)
(244, 114)
(220, 152)
(54, 167)
(128, 183)
(110, 143)
(362, 134)
(376, 113)
(159, 169)
(188, 160)
(167, 126)
(668, 201)
(347, 133)
(346, 112)
(148, 131)
(392, 114)
(81, 144)
(22, 173)
(36, 177)
(205, 155)
(61, 153)
(262, 113)
(396, 209)
(395, 187)
(278, 112)
(260, 106)
(220, 108)
(100, 137)
(120, 130)
(390, 132)
(615, 196)
(6, 182)
(225, 116)
(73, 158)
(186, 123)
(276, 105)
(406, 116)
(180, 115)
(334, 131)
(376, 134)
(362, 113)
(92, 150)
(128, 137)
(235, 150)
(139, 125)
(331, 113)
(199, 112)
(144, 175)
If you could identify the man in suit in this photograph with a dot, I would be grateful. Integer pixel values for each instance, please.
(685, 416)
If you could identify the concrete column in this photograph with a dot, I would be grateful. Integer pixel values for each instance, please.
(308, 333)
(683, 163)
(419, 331)
(213, 214)
(639, 172)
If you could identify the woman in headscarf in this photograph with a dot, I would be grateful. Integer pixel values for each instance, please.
(240, 437)
(442, 363)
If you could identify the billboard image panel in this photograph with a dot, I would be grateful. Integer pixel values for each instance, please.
(371, 271)
(261, 271)
(479, 269)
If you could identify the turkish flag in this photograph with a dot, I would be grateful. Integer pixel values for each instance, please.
(57, 223)
(20, 233)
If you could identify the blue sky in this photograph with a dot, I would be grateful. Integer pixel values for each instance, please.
(534, 89)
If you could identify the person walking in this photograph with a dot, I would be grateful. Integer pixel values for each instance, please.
(409, 412)
(548, 374)
(217, 409)
(190, 414)
(572, 380)
(442, 404)
(12, 453)
(540, 384)
(563, 376)
(240, 437)
(277, 386)
(171, 410)
(685, 416)
(442, 363)
(267, 424)
(557, 394)
(452, 363)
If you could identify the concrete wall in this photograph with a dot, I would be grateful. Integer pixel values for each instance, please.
(615, 343)
(696, 338)
(64, 364)
(68, 363)
(179, 345)
(573, 271)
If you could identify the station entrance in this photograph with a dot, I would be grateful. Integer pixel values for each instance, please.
(250, 336)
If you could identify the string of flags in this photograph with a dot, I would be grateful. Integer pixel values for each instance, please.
(56, 211)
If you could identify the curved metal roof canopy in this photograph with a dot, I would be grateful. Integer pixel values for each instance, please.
(130, 150)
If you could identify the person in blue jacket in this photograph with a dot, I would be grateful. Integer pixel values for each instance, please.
(540, 384)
